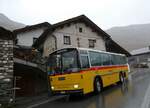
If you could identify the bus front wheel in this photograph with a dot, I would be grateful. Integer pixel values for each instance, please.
(97, 86)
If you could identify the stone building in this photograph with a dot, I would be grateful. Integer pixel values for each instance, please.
(79, 31)
(6, 65)
(21, 72)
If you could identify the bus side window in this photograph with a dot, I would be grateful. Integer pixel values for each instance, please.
(123, 60)
(113, 60)
(84, 62)
(106, 59)
(117, 59)
(95, 58)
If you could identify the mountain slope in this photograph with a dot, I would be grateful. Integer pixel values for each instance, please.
(9, 24)
(131, 37)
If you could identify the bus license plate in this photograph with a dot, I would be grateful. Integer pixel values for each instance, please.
(62, 92)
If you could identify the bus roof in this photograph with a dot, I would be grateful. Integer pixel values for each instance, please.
(88, 49)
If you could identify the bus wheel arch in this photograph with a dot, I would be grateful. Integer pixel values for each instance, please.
(97, 84)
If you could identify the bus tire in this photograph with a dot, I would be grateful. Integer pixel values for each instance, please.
(121, 78)
(97, 85)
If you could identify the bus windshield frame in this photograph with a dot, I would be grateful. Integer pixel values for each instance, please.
(64, 61)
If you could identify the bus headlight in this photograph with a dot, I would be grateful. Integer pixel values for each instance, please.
(76, 86)
(52, 87)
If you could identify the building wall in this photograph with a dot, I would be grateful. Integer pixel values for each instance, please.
(49, 45)
(72, 30)
(26, 38)
(6, 70)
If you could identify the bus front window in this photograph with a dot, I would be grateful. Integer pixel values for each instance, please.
(63, 62)
(55, 64)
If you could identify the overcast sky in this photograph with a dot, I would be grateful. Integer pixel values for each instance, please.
(105, 13)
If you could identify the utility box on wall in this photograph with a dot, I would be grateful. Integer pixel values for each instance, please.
(6, 66)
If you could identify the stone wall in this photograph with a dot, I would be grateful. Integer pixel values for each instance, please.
(6, 70)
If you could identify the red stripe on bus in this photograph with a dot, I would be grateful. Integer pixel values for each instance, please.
(93, 68)
(106, 67)
(102, 67)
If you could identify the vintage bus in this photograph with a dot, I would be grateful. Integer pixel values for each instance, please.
(81, 70)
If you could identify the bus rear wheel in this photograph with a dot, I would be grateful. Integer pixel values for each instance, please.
(122, 78)
(97, 86)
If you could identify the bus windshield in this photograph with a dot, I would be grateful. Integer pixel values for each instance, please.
(63, 61)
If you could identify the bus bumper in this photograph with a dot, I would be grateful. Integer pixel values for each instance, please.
(66, 92)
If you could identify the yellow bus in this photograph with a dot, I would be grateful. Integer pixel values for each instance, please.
(81, 70)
